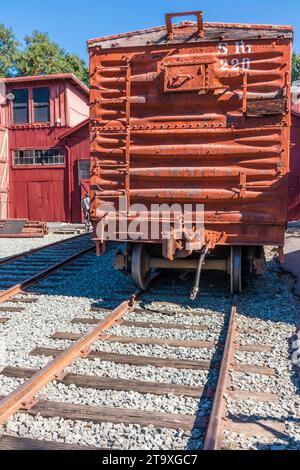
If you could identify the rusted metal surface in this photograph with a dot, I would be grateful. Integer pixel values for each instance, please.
(201, 118)
(213, 32)
(27, 392)
(213, 438)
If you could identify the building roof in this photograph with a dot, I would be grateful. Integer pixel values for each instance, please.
(61, 76)
(74, 129)
(212, 32)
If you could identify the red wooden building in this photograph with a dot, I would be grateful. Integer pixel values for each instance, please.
(43, 181)
(294, 177)
(76, 141)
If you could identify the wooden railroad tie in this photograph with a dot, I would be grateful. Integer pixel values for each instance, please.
(117, 384)
(97, 415)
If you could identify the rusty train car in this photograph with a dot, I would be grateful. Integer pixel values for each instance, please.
(191, 113)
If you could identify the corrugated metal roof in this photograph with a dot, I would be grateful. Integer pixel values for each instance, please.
(187, 32)
(61, 76)
(74, 129)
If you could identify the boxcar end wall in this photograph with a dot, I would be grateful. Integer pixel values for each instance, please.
(187, 115)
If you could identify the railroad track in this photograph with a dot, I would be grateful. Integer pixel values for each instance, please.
(217, 359)
(20, 271)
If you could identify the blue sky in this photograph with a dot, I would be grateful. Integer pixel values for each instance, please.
(71, 22)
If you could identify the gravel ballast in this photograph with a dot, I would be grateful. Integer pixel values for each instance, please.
(266, 310)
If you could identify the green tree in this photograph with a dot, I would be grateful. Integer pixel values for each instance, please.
(295, 67)
(8, 51)
(42, 56)
(76, 65)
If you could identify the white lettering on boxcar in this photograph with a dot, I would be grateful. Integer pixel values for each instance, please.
(235, 64)
(222, 48)
(242, 48)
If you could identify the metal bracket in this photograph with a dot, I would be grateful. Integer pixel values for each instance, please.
(59, 376)
(244, 88)
(100, 247)
(85, 352)
(243, 182)
(104, 336)
(281, 256)
(27, 405)
(198, 14)
(213, 237)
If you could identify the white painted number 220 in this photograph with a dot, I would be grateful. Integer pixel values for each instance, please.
(235, 64)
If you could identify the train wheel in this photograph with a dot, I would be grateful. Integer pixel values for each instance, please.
(139, 266)
(236, 270)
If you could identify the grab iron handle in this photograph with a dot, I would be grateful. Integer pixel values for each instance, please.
(179, 80)
(170, 16)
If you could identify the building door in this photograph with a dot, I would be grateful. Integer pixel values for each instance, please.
(35, 200)
(4, 172)
(46, 201)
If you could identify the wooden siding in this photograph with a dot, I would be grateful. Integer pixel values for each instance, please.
(4, 173)
(294, 177)
(46, 193)
(79, 145)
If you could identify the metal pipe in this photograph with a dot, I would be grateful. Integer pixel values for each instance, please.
(192, 264)
(70, 178)
(195, 289)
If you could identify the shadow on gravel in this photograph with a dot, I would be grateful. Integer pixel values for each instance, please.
(266, 298)
(174, 290)
(196, 440)
(91, 277)
(289, 442)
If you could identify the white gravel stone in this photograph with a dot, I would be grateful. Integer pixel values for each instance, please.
(105, 435)
(269, 312)
(266, 310)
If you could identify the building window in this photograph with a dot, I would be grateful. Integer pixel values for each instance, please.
(41, 104)
(83, 170)
(20, 106)
(39, 157)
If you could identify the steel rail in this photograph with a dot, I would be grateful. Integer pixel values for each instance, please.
(35, 250)
(19, 288)
(214, 433)
(24, 396)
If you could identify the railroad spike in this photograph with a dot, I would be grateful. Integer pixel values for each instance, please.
(59, 376)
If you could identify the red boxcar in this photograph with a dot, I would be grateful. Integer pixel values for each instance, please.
(194, 113)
